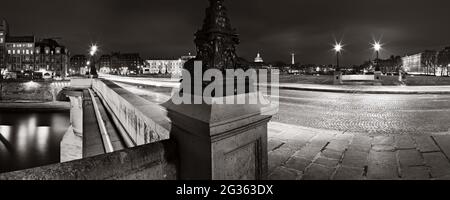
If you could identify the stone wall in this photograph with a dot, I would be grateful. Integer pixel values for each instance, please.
(42, 91)
(155, 161)
(143, 121)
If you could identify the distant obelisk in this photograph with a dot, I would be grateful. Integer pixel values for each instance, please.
(293, 58)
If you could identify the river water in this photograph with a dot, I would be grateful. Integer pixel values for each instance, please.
(31, 139)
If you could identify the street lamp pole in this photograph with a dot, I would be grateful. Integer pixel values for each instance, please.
(93, 51)
(377, 47)
(337, 60)
(337, 71)
(338, 49)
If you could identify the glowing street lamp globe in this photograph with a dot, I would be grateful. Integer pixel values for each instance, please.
(94, 49)
(338, 47)
(377, 46)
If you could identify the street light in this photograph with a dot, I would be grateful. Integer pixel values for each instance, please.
(94, 49)
(92, 52)
(338, 47)
(377, 46)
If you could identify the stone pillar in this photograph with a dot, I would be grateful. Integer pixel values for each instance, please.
(337, 78)
(72, 142)
(76, 114)
(221, 141)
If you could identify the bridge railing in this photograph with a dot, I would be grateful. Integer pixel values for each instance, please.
(358, 77)
(144, 123)
(155, 161)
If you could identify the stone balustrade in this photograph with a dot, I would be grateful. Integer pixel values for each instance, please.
(155, 161)
(143, 121)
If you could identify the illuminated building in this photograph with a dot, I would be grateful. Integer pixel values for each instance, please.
(417, 63)
(3, 34)
(20, 52)
(259, 63)
(258, 58)
(51, 57)
(163, 66)
(166, 66)
(78, 65)
(25, 53)
(120, 63)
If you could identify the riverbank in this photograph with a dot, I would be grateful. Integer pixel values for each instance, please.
(34, 106)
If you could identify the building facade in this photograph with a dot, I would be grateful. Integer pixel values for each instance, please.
(171, 67)
(423, 63)
(3, 33)
(78, 65)
(26, 54)
(19, 56)
(51, 57)
(121, 63)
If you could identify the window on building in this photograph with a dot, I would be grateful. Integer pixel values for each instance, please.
(1, 40)
(9, 52)
(14, 51)
(27, 52)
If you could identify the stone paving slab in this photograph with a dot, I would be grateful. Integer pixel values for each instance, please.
(426, 144)
(348, 173)
(439, 164)
(300, 153)
(355, 159)
(443, 141)
(404, 142)
(318, 172)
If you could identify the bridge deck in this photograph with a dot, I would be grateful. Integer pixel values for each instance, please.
(114, 135)
(93, 143)
(92, 139)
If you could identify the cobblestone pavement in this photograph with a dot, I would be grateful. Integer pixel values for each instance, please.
(366, 113)
(353, 136)
(300, 153)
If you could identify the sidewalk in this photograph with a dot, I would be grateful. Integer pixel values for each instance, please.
(299, 153)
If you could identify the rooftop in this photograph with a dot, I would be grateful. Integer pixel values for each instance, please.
(20, 39)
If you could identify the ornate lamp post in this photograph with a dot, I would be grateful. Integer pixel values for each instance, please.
(377, 46)
(338, 48)
(337, 72)
(92, 53)
(205, 132)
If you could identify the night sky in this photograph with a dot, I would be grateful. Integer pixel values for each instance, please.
(165, 28)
